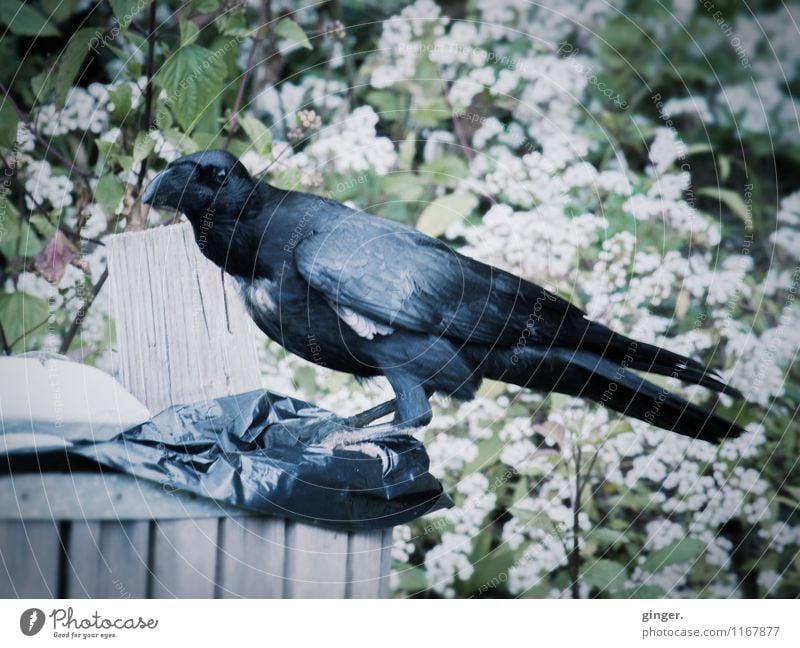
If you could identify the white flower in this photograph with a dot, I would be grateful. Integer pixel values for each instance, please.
(614, 182)
(582, 174)
(448, 561)
(693, 106)
(283, 102)
(45, 188)
(642, 207)
(670, 186)
(25, 140)
(352, 145)
(437, 144)
(665, 148)
(164, 148)
(789, 211)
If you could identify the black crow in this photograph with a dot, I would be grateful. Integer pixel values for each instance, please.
(368, 296)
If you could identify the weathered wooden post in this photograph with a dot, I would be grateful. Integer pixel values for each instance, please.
(113, 535)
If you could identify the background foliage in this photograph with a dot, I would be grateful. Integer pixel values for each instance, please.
(639, 158)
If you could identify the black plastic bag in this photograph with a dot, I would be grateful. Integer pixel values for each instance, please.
(268, 453)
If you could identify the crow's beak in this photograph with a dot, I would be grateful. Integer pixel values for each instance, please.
(162, 182)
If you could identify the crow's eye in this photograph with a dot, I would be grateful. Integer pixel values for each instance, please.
(210, 175)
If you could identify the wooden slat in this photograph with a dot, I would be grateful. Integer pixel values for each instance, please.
(86, 496)
(385, 588)
(107, 559)
(316, 562)
(364, 576)
(29, 559)
(369, 564)
(184, 559)
(252, 551)
(169, 311)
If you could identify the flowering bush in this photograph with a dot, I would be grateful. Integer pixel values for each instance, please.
(641, 162)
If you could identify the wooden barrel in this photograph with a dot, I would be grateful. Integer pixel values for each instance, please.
(95, 535)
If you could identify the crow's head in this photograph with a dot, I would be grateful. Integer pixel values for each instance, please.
(202, 183)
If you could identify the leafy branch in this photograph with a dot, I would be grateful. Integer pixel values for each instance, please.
(72, 167)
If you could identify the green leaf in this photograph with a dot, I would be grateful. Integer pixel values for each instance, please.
(24, 20)
(390, 105)
(730, 198)
(410, 579)
(680, 551)
(58, 10)
(234, 24)
(408, 150)
(126, 10)
(489, 451)
(71, 61)
(186, 144)
(125, 161)
(122, 98)
(491, 388)
(605, 575)
(444, 211)
(395, 210)
(641, 592)
(724, 167)
(42, 84)
(607, 536)
(404, 185)
(698, 149)
(142, 147)
(291, 31)
(288, 179)
(17, 237)
(238, 148)
(205, 6)
(490, 569)
(8, 124)
(189, 32)
(133, 68)
(109, 150)
(163, 118)
(446, 170)
(29, 243)
(20, 313)
(228, 47)
(108, 192)
(259, 134)
(43, 226)
(431, 114)
(794, 491)
(193, 78)
(204, 141)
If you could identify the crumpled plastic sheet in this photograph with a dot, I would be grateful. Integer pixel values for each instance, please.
(265, 452)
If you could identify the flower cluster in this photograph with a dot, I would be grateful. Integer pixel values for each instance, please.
(642, 212)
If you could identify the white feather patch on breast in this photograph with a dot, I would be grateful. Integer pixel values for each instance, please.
(257, 294)
(363, 326)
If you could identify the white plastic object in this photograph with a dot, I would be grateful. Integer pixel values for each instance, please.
(49, 396)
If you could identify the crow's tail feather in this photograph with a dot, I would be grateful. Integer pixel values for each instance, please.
(588, 375)
(641, 356)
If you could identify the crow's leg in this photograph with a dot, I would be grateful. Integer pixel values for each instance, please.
(411, 409)
(411, 397)
(372, 414)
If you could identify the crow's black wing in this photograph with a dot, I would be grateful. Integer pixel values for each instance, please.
(399, 277)
(369, 268)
